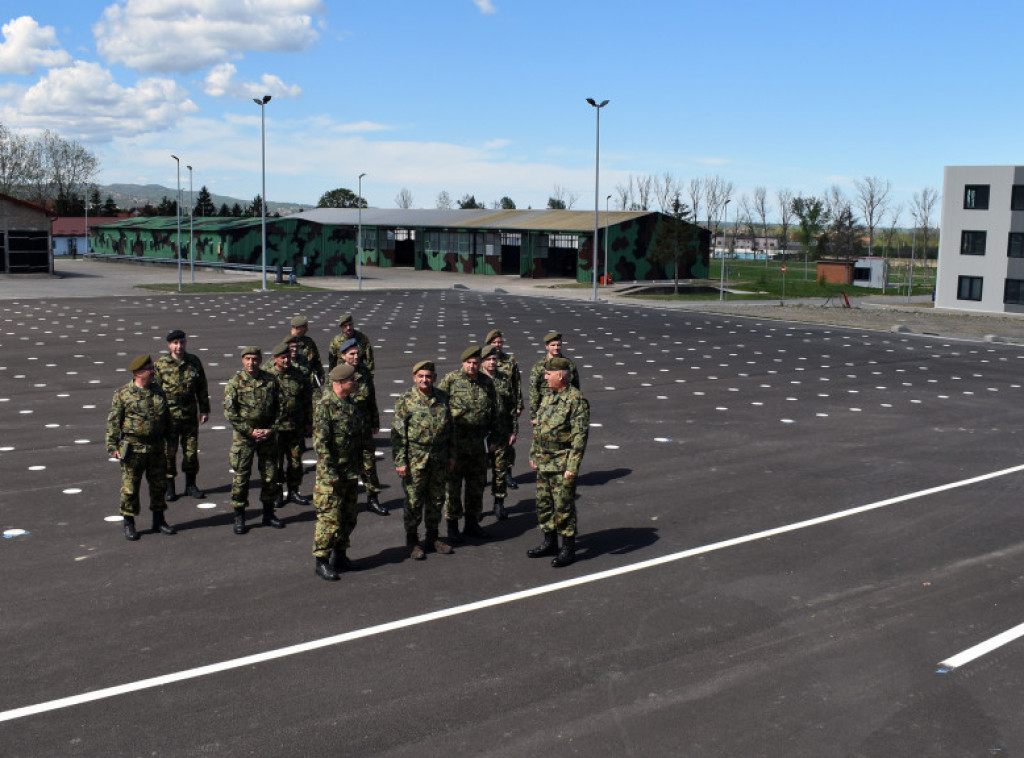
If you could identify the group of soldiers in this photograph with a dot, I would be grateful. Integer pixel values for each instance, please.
(447, 436)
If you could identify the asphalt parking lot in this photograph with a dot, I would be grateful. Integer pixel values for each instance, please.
(787, 533)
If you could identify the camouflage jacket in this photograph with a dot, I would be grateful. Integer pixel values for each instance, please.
(184, 385)
(252, 402)
(560, 435)
(539, 387)
(422, 428)
(339, 438)
(139, 415)
(365, 349)
(507, 364)
(508, 419)
(365, 398)
(296, 401)
(474, 405)
(309, 351)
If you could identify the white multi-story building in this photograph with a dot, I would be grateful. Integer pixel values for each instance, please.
(981, 242)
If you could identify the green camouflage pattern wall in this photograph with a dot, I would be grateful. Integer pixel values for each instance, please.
(628, 243)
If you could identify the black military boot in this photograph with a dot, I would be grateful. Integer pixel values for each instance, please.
(373, 504)
(454, 535)
(297, 497)
(412, 541)
(567, 554)
(170, 495)
(499, 509)
(240, 527)
(269, 519)
(324, 570)
(473, 529)
(160, 524)
(548, 547)
(129, 529)
(341, 562)
(510, 482)
(190, 487)
(434, 544)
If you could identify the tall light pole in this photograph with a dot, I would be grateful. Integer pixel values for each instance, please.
(721, 284)
(606, 227)
(262, 103)
(86, 190)
(359, 242)
(177, 213)
(191, 215)
(597, 182)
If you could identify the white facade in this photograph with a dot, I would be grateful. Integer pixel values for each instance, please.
(981, 241)
(871, 272)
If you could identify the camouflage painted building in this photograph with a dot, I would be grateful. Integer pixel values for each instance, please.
(322, 242)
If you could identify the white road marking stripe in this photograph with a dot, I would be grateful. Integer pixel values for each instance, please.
(305, 647)
(982, 648)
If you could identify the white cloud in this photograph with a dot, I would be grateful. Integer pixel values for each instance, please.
(220, 82)
(84, 102)
(188, 35)
(28, 46)
(485, 6)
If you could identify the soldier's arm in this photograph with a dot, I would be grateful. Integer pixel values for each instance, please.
(202, 389)
(232, 412)
(579, 430)
(369, 355)
(372, 404)
(332, 356)
(399, 454)
(321, 443)
(535, 377)
(114, 421)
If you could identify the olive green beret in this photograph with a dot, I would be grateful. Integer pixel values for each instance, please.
(470, 352)
(341, 372)
(281, 349)
(551, 337)
(139, 362)
(557, 364)
(423, 366)
(346, 319)
(300, 321)
(293, 338)
(251, 350)
(177, 334)
(488, 351)
(492, 335)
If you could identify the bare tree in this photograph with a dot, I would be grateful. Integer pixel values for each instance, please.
(745, 220)
(644, 190)
(444, 200)
(15, 153)
(695, 189)
(922, 209)
(759, 206)
(562, 198)
(666, 190)
(717, 194)
(624, 193)
(785, 199)
(404, 198)
(872, 200)
(893, 226)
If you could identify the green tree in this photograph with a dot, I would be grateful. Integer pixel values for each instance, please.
(341, 198)
(255, 208)
(811, 220)
(469, 202)
(506, 204)
(224, 210)
(204, 203)
(167, 207)
(94, 202)
(556, 204)
(109, 207)
(236, 211)
(675, 240)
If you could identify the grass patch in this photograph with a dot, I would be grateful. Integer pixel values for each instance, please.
(250, 286)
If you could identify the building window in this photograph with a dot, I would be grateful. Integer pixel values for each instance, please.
(968, 288)
(972, 242)
(1013, 292)
(1015, 248)
(976, 197)
(1017, 198)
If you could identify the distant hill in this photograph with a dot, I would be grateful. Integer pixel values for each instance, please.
(137, 195)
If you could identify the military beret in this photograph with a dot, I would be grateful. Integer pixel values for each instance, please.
(423, 366)
(346, 319)
(551, 337)
(557, 364)
(293, 338)
(300, 321)
(139, 362)
(281, 349)
(348, 345)
(177, 334)
(341, 372)
(251, 350)
(470, 352)
(488, 351)
(492, 335)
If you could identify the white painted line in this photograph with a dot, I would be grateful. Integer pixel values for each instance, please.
(370, 631)
(982, 648)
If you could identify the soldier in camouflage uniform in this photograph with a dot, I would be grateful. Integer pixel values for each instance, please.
(252, 405)
(307, 347)
(421, 447)
(538, 385)
(339, 439)
(559, 440)
(507, 365)
(474, 407)
(365, 398)
(349, 332)
(138, 428)
(296, 422)
(508, 428)
(183, 381)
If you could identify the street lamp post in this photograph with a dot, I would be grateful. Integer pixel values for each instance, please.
(597, 182)
(262, 103)
(191, 215)
(606, 227)
(86, 220)
(177, 214)
(721, 285)
(359, 243)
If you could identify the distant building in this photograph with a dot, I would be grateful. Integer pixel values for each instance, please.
(69, 233)
(25, 246)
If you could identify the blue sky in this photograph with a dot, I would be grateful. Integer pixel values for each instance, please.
(488, 96)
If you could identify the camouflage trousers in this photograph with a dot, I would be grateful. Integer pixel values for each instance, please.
(152, 463)
(184, 434)
(424, 486)
(336, 508)
(471, 473)
(501, 462)
(240, 457)
(289, 457)
(556, 503)
(369, 471)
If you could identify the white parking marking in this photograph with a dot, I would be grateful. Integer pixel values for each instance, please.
(982, 648)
